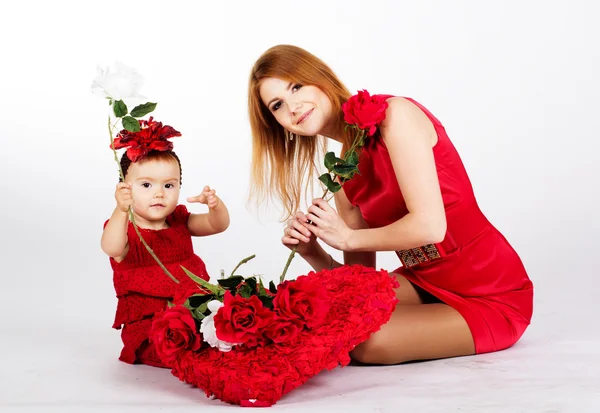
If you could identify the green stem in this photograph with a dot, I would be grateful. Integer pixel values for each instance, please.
(287, 264)
(293, 253)
(245, 260)
(358, 142)
(131, 217)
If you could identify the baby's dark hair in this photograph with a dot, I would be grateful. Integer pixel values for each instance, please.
(153, 155)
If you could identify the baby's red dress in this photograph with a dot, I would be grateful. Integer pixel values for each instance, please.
(143, 289)
(474, 269)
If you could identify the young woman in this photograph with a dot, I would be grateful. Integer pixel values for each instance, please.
(463, 289)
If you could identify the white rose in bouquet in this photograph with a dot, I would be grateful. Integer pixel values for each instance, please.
(208, 330)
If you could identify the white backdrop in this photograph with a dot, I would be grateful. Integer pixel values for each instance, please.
(514, 82)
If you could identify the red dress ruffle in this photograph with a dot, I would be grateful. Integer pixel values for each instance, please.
(143, 289)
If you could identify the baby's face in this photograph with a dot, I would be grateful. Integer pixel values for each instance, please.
(154, 188)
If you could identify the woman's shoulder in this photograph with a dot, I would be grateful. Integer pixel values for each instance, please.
(404, 110)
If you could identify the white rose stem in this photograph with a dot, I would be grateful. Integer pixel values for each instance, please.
(131, 217)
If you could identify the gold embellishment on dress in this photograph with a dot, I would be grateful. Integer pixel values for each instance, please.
(415, 256)
(407, 257)
(419, 254)
(432, 251)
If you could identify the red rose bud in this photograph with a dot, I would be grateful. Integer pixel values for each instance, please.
(241, 320)
(174, 331)
(365, 111)
(302, 299)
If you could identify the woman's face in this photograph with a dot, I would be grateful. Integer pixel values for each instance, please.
(303, 110)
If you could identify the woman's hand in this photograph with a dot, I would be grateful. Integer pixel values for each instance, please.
(295, 234)
(327, 225)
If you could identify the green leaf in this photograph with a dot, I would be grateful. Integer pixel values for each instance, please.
(261, 288)
(131, 124)
(231, 282)
(245, 291)
(331, 160)
(143, 109)
(210, 287)
(272, 287)
(266, 301)
(251, 281)
(345, 171)
(170, 304)
(120, 109)
(330, 183)
(203, 308)
(198, 313)
(198, 299)
(352, 158)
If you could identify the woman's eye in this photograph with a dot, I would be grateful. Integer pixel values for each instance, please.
(296, 87)
(276, 106)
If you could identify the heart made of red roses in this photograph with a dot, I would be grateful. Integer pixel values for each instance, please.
(362, 301)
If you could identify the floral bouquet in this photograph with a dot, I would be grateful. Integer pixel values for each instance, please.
(240, 311)
(249, 343)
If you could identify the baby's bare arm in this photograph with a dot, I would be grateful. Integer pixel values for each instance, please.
(217, 218)
(114, 241)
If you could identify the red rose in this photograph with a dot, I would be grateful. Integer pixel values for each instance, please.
(152, 136)
(302, 299)
(173, 331)
(365, 111)
(283, 330)
(240, 320)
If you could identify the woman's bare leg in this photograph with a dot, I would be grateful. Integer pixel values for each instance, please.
(417, 332)
(406, 293)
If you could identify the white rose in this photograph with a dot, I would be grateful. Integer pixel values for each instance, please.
(122, 83)
(208, 330)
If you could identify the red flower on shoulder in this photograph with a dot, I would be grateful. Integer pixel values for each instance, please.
(365, 111)
(152, 136)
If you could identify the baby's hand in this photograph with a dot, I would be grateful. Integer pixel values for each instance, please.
(207, 197)
(123, 196)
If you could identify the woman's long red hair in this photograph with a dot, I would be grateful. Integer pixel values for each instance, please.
(281, 167)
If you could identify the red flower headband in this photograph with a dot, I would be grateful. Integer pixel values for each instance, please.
(152, 136)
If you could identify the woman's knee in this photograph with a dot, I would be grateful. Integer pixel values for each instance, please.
(372, 351)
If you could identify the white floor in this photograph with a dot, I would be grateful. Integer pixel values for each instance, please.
(61, 362)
